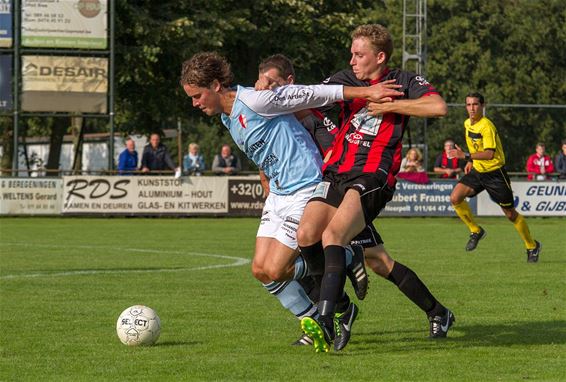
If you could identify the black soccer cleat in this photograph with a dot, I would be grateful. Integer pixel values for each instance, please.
(532, 254)
(304, 340)
(356, 272)
(475, 237)
(439, 325)
(343, 326)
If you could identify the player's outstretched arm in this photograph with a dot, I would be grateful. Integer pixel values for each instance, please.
(428, 106)
(290, 98)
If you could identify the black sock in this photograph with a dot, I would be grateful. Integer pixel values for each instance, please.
(333, 280)
(412, 287)
(311, 285)
(343, 304)
(314, 258)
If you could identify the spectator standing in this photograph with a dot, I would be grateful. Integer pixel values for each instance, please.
(226, 163)
(560, 161)
(193, 162)
(446, 166)
(128, 159)
(155, 156)
(539, 164)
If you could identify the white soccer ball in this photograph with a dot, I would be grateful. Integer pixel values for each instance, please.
(138, 325)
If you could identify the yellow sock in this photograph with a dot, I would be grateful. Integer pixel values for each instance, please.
(465, 213)
(523, 229)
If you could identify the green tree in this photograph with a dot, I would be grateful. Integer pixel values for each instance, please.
(507, 50)
(155, 38)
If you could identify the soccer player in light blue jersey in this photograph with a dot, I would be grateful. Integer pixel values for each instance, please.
(263, 128)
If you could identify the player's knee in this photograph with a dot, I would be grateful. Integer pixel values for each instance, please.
(331, 236)
(511, 214)
(455, 199)
(275, 273)
(258, 273)
(307, 235)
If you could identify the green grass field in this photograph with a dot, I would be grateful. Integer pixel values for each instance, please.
(63, 283)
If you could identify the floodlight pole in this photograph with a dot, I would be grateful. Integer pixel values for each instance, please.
(16, 86)
(415, 46)
(111, 89)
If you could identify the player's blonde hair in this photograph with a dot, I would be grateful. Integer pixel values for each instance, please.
(205, 67)
(378, 36)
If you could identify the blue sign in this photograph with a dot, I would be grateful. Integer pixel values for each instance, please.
(6, 82)
(431, 199)
(5, 23)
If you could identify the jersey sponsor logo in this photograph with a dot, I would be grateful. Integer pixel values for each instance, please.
(474, 135)
(362, 241)
(289, 228)
(297, 94)
(476, 139)
(292, 220)
(365, 123)
(421, 80)
(357, 139)
(255, 147)
(327, 122)
(269, 161)
(243, 121)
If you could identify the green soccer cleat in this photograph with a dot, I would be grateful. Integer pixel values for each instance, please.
(318, 333)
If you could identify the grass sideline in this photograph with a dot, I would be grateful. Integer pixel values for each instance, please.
(63, 283)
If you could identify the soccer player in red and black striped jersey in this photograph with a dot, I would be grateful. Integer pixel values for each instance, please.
(277, 70)
(359, 176)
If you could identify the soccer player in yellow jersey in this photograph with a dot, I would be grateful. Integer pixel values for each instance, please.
(485, 170)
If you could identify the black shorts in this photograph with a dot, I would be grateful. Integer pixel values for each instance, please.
(373, 190)
(368, 238)
(496, 183)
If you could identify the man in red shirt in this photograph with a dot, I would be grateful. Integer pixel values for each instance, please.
(539, 164)
(359, 176)
(446, 166)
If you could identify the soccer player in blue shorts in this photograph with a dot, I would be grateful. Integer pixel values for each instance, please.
(261, 126)
(276, 71)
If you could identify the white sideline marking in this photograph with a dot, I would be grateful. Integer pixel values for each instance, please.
(238, 261)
